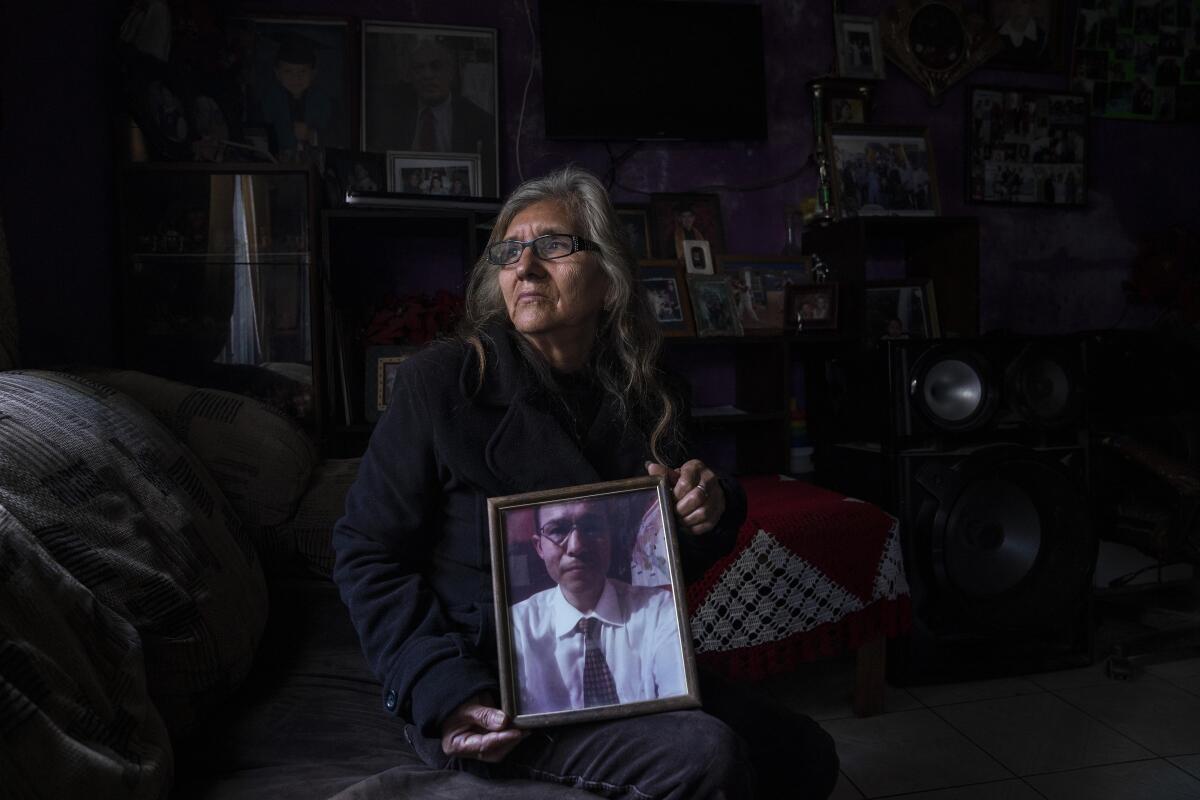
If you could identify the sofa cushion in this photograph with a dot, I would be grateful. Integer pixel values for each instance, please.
(76, 720)
(133, 515)
(260, 458)
(308, 536)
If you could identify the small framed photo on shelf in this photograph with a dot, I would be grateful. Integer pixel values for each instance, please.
(698, 257)
(382, 362)
(1031, 32)
(813, 307)
(904, 309)
(859, 53)
(432, 90)
(665, 286)
(446, 174)
(676, 218)
(882, 172)
(712, 306)
(840, 101)
(626, 604)
(759, 286)
(1026, 147)
(354, 171)
(635, 219)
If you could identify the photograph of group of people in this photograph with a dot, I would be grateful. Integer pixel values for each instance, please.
(881, 173)
(1028, 147)
(1139, 59)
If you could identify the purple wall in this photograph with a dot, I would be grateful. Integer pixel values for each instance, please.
(1042, 270)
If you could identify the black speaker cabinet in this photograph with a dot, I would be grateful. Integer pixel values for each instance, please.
(982, 455)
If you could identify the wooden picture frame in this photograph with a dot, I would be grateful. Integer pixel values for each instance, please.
(441, 175)
(410, 72)
(652, 666)
(812, 307)
(665, 284)
(759, 286)
(676, 218)
(882, 171)
(1026, 147)
(712, 306)
(382, 361)
(698, 259)
(1031, 34)
(901, 309)
(635, 219)
(858, 47)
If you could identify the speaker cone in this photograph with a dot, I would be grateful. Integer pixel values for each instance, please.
(1042, 388)
(952, 389)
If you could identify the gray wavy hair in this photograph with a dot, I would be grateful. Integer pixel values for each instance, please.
(628, 341)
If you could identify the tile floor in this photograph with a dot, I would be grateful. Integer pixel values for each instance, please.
(1070, 735)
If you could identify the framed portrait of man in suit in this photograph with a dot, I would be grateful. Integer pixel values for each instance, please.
(591, 609)
(431, 89)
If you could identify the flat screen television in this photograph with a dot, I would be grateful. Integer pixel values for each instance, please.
(623, 69)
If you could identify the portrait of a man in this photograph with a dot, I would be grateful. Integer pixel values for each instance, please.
(1027, 29)
(431, 90)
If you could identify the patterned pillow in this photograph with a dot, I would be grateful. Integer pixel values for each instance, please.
(132, 514)
(308, 536)
(75, 717)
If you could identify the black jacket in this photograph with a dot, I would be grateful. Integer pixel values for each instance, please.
(413, 562)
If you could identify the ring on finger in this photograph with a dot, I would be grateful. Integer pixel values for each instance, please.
(703, 489)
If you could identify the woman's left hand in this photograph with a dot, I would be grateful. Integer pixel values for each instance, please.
(699, 500)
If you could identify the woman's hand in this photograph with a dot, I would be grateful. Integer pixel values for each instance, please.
(699, 500)
(477, 729)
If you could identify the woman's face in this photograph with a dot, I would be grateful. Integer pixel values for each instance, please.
(550, 298)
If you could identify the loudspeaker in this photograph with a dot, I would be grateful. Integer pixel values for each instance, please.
(982, 454)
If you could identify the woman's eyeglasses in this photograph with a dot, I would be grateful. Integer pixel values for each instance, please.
(550, 246)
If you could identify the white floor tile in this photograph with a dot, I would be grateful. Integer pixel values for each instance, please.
(1001, 790)
(845, 790)
(1148, 710)
(1189, 764)
(1139, 780)
(946, 693)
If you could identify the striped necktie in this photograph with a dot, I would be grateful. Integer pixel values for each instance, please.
(599, 689)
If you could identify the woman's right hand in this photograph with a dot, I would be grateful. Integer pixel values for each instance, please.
(477, 729)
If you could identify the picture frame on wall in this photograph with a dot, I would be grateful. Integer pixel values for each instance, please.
(882, 171)
(859, 52)
(759, 287)
(445, 175)
(1026, 147)
(382, 362)
(902, 309)
(648, 664)
(412, 75)
(679, 217)
(1031, 34)
(812, 307)
(712, 306)
(665, 285)
(635, 219)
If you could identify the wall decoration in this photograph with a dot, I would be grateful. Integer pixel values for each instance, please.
(676, 218)
(1026, 147)
(880, 172)
(697, 257)
(446, 174)
(812, 308)
(936, 42)
(856, 40)
(759, 284)
(382, 363)
(353, 171)
(904, 309)
(712, 305)
(1030, 31)
(666, 288)
(1139, 60)
(635, 219)
(412, 75)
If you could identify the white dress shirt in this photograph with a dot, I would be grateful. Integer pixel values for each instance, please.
(639, 637)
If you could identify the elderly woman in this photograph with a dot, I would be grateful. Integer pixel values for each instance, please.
(553, 382)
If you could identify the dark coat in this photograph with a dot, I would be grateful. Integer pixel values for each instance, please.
(413, 562)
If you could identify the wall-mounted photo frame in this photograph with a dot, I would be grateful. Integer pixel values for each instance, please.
(1031, 34)
(443, 175)
(859, 52)
(620, 613)
(665, 285)
(698, 258)
(431, 89)
(712, 306)
(936, 42)
(759, 287)
(382, 362)
(812, 308)
(635, 219)
(676, 218)
(882, 172)
(1026, 147)
(903, 309)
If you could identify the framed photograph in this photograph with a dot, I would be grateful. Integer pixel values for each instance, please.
(635, 219)
(1026, 147)
(382, 362)
(431, 89)
(698, 257)
(812, 308)
(446, 175)
(936, 42)
(882, 172)
(353, 171)
(676, 218)
(759, 286)
(712, 306)
(297, 82)
(1030, 33)
(903, 309)
(591, 608)
(665, 285)
(859, 54)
